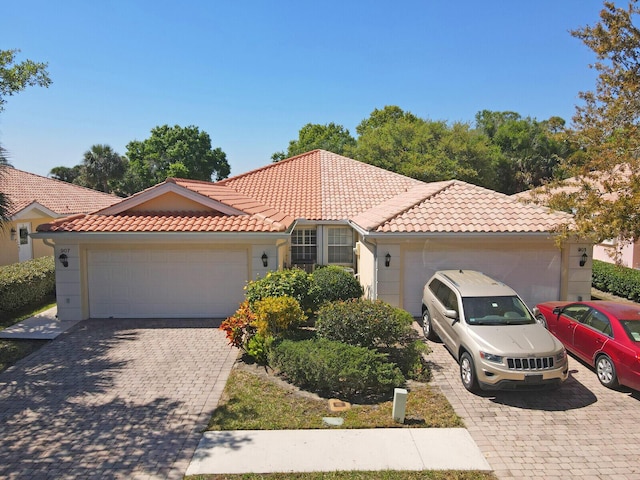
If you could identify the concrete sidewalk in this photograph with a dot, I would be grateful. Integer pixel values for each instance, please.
(43, 326)
(266, 451)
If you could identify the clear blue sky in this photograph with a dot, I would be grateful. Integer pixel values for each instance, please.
(251, 73)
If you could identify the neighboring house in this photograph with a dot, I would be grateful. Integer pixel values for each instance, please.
(186, 248)
(34, 200)
(611, 250)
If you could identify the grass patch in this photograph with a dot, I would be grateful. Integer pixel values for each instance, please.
(376, 475)
(257, 402)
(13, 350)
(9, 318)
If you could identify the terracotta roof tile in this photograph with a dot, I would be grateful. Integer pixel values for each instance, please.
(24, 188)
(462, 207)
(320, 185)
(162, 222)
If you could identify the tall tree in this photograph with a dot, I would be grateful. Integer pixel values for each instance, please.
(66, 174)
(102, 168)
(531, 149)
(15, 77)
(607, 130)
(426, 150)
(173, 150)
(331, 137)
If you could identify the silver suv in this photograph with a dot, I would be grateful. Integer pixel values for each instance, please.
(491, 333)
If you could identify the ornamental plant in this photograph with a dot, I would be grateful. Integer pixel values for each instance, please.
(275, 316)
(333, 283)
(240, 327)
(362, 322)
(294, 282)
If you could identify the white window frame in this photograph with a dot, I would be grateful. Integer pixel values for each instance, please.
(348, 243)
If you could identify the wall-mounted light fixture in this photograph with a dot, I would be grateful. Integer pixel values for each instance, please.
(387, 259)
(583, 260)
(265, 259)
(64, 260)
(13, 234)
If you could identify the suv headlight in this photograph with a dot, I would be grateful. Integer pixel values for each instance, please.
(562, 356)
(490, 357)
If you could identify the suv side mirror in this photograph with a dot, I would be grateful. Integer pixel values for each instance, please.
(452, 314)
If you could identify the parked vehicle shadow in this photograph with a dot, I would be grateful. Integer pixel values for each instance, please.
(570, 395)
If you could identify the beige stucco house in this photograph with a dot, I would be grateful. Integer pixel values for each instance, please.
(34, 200)
(186, 248)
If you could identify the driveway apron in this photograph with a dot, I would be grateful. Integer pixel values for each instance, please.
(113, 399)
(580, 431)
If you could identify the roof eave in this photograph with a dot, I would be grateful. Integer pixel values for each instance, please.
(157, 237)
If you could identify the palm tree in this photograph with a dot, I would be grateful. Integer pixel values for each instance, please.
(102, 164)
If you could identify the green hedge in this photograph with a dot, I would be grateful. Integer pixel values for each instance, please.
(26, 283)
(334, 368)
(620, 281)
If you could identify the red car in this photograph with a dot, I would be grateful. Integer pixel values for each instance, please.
(604, 334)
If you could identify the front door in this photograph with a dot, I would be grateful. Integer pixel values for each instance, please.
(25, 249)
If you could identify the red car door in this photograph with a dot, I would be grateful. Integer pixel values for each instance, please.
(591, 336)
(568, 320)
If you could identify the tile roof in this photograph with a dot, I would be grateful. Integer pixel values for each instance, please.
(163, 222)
(323, 186)
(24, 188)
(461, 207)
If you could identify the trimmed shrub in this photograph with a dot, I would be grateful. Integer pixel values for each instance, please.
(294, 283)
(26, 283)
(333, 283)
(364, 323)
(615, 279)
(277, 315)
(334, 368)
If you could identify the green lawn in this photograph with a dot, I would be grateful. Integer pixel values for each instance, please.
(13, 350)
(256, 400)
(253, 401)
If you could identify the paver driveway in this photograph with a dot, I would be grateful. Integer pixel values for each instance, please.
(582, 430)
(113, 399)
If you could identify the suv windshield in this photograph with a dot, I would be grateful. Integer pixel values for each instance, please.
(496, 311)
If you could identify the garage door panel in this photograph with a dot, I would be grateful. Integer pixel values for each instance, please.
(157, 283)
(533, 272)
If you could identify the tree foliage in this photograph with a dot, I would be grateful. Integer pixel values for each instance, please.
(606, 129)
(531, 150)
(169, 151)
(66, 174)
(427, 150)
(15, 77)
(4, 200)
(102, 168)
(331, 137)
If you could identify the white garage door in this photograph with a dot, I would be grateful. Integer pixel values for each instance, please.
(166, 283)
(533, 270)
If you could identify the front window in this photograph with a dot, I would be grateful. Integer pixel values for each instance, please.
(496, 311)
(340, 245)
(303, 247)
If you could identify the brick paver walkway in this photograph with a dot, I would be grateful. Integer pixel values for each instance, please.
(113, 399)
(581, 431)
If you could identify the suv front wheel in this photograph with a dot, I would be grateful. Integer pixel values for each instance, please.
(427, 327)
(468, 372)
